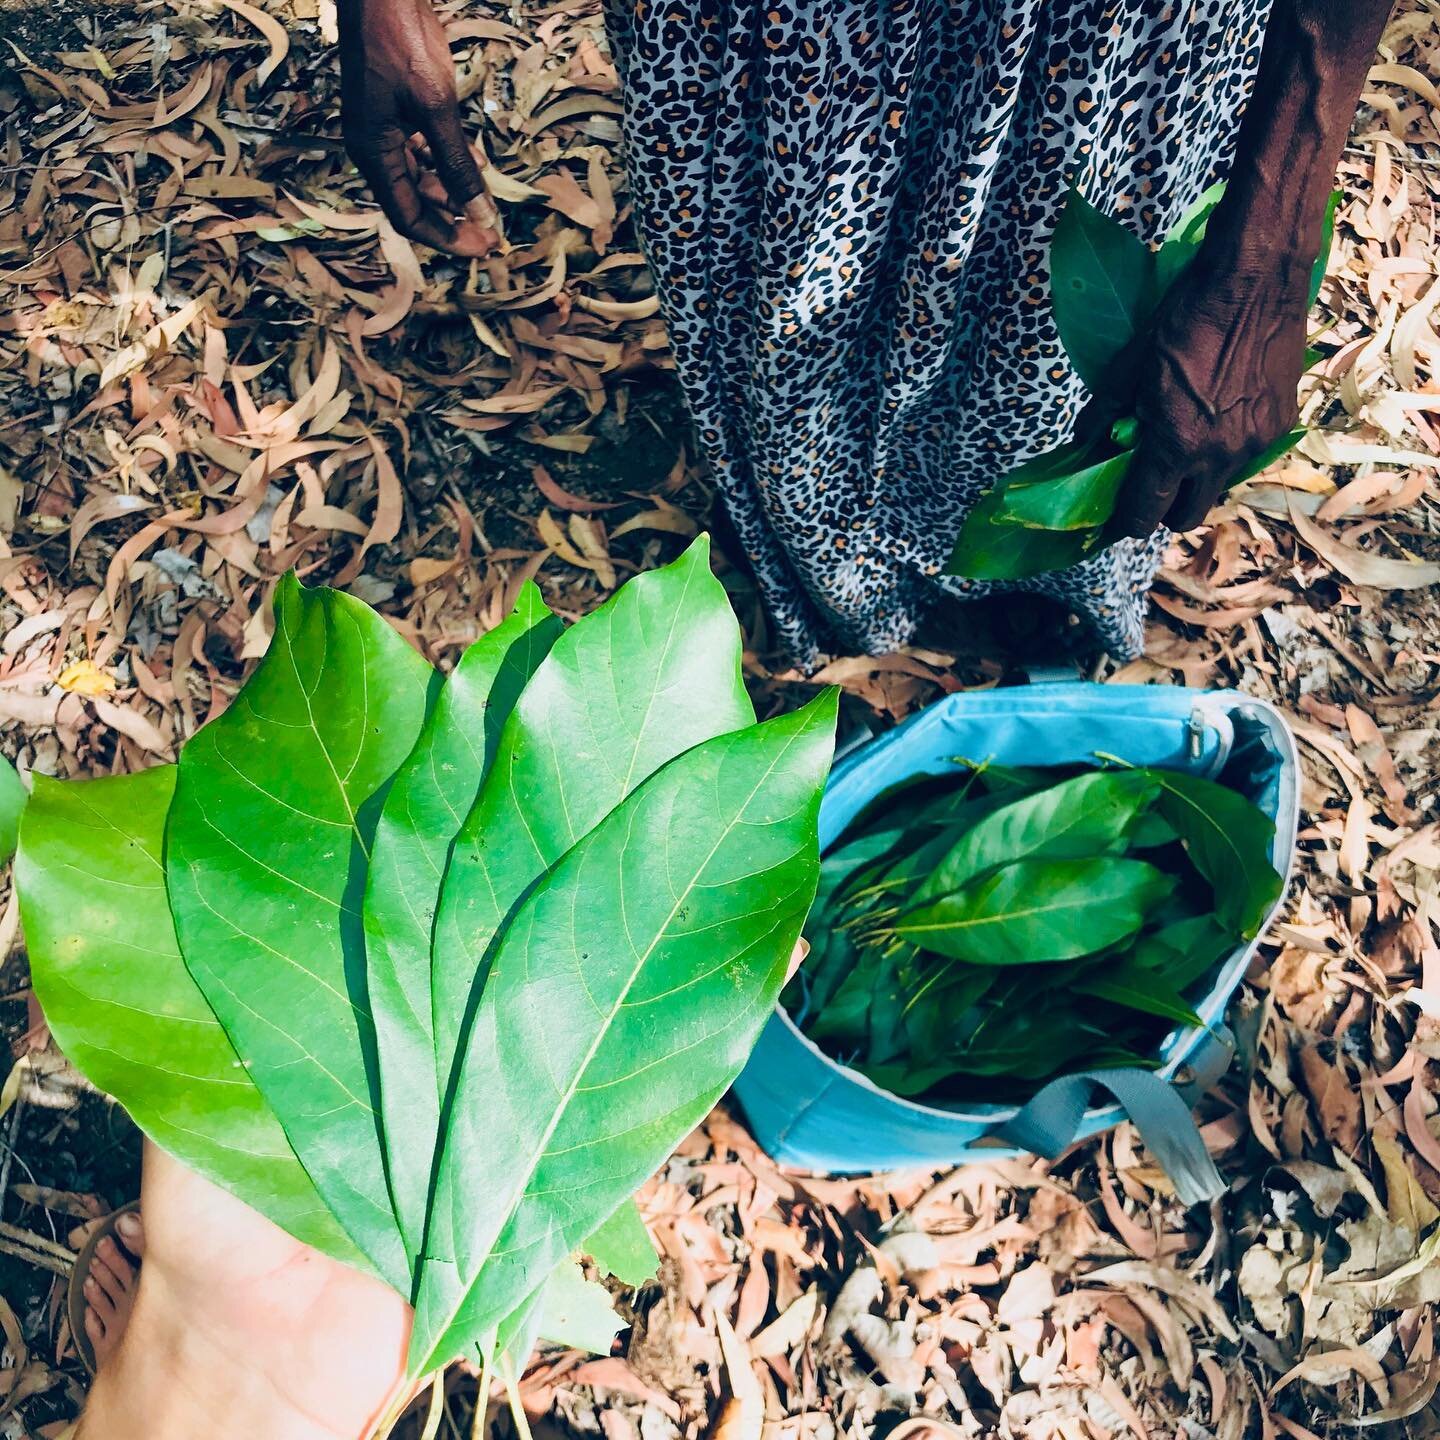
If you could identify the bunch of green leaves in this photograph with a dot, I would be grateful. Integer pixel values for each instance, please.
(434, 972)
(980, 934)
(1106, 288)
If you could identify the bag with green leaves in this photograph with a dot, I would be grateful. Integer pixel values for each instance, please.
(1028, 896)
(434, 971)
(1106, 286)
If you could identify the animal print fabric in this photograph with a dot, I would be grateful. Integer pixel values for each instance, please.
(847, 206)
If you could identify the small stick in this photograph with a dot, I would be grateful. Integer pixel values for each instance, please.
(37, 1258)
(37, 1242)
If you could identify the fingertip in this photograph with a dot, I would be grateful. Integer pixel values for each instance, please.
(471, 241)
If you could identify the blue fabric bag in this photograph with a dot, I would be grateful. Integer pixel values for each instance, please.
(807, 1110)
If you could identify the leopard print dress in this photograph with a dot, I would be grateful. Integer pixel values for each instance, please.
(847, 207)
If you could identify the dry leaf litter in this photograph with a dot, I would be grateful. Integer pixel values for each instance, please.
(219, 362)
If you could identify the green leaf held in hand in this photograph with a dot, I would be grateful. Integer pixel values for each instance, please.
(13, 796)
(1105, 288)
(265, 861)
(1084, 501)
(1321, 266)
(652, 672)
(990, 548)
(623, 999)
(121, 1004)
(425, 806)
(1103, 292)
(1183, 242)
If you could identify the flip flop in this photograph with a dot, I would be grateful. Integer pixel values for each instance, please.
(75, 1302)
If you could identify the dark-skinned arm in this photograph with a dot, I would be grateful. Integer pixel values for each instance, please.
(402, 125)
(1230, 341)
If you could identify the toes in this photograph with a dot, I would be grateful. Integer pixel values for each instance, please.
(94, 1325)
(99, 1302)
(132, 1233)
(111, 1270)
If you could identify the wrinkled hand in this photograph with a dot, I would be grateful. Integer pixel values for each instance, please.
(1217, 388)
(402, 124)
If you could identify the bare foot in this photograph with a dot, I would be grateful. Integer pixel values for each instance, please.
(110, 1287)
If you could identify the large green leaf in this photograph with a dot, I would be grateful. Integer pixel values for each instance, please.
(988, 548)
(1229, 841)
(624, 997)
(426, 804)
(265, 857)
(652, 672)
(1083, 500)
(1088, 815)
(1039, 910)
(1102, 289)
(121, 1004)
(13, 796)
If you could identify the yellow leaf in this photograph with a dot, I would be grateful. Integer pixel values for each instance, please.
(85, 677)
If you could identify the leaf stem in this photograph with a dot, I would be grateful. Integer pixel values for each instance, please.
(482, 1399)
(437, 1406)
(397, 1407)
(512, 1396)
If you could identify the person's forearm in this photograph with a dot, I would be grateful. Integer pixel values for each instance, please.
(1313, 68)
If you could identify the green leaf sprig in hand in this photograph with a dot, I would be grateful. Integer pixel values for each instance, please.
(976, 937)
(1107, 288)
(434, 972)
(13, 796)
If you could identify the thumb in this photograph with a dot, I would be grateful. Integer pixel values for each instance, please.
(1150, 487)
(450, 151)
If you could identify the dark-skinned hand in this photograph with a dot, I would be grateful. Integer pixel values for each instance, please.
(1217, 386)
(402, 126)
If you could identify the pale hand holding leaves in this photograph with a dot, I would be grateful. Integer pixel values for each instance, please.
(402, 124)
(1218, 388)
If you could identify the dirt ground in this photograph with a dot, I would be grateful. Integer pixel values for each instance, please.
(216, 363)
